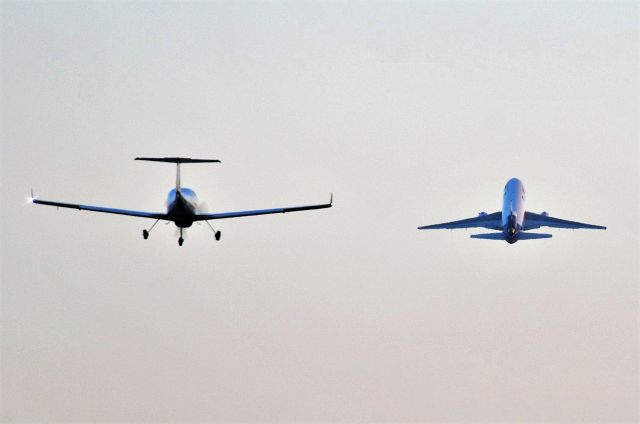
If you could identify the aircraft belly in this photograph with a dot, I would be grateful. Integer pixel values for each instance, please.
(181, 213)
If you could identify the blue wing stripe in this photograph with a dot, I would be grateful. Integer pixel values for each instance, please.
(139, 214)
(492, 221)
(206, 217)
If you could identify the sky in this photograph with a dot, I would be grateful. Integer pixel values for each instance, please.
(411, 113)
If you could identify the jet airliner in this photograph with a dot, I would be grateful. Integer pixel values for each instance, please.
(513, 220)
(182, 204)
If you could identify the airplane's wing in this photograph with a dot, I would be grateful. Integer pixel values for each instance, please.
(492, 221)
(534, 220)
(223, 215)
(101, 209)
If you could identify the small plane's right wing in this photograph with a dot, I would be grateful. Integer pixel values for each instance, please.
(492, 221)
(534, 220)
(138, 214)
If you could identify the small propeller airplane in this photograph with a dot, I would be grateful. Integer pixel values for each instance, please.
(182, 204)
(513, 221)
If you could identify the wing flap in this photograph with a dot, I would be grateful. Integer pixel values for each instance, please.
(139, 214)
(534, 220)
(492, 221)
(239, 214)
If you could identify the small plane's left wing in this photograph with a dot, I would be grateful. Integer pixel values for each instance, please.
(492, 221)
(238, 214)
(139, 214)
(534, 220)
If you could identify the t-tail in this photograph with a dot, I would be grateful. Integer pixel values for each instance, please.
(178, 161)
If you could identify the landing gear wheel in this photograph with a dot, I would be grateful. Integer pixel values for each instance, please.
(145, 234)
(180, 241)
(218, 235)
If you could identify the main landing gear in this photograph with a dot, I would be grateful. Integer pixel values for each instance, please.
(216, 234)
(145, 233)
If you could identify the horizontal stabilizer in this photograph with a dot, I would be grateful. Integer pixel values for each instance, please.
(489, 236)
(532, 236)
(178, 160)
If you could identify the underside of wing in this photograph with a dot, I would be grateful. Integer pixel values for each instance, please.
(534, 220)
(139, 214)
(239, 214)
(492, 221)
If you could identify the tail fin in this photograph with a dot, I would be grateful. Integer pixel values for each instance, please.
(178, 161)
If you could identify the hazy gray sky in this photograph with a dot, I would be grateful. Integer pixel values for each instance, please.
(411, 113)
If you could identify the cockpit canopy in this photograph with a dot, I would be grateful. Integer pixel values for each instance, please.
(187, 193)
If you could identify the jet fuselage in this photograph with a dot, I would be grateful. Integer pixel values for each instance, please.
(513, 210)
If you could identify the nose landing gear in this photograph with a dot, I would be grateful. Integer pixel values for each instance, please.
(180, 241)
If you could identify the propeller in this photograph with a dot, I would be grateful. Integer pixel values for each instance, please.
(203, 207)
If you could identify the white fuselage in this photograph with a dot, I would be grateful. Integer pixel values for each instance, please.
(513, 209)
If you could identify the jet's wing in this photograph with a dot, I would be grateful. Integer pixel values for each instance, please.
(492, 221)
(101, 209)
(223, 215)
(534, 220)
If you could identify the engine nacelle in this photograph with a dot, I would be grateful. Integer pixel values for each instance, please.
(482, 214)
(545, 213)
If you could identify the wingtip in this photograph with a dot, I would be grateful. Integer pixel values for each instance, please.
(331, 199)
